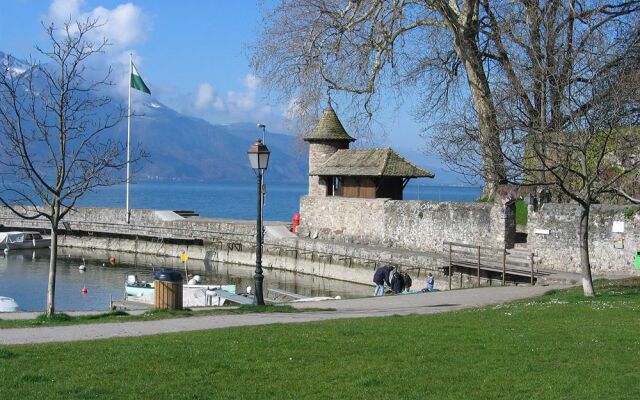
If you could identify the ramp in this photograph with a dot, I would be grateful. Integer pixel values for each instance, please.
(279, 232)
(235, 298)
(284, 293)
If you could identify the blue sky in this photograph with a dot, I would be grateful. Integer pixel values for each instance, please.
(192, 54)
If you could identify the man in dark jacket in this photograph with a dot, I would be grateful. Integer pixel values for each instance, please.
(380, 278)
(397, 283)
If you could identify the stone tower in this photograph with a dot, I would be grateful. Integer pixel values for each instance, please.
(328, 137)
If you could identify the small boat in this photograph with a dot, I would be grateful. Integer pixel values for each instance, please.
(194, 295)
(7, 304)
(134, 287)
(23, 240)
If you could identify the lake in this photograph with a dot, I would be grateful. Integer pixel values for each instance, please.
(238, 200)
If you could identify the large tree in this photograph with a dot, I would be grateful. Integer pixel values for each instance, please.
(366, 48)
(53, 119)
(566, 85)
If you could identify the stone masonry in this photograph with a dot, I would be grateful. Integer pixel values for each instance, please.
(553, 234)
(416, 225)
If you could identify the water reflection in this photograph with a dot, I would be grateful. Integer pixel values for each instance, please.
(24, 277)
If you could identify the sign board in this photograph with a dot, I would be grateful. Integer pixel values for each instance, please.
(184, 257)
(618, 227)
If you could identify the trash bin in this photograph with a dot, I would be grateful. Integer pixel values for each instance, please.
(638, 260)
(168, 288)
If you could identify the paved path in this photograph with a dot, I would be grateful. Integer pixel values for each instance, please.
(424, 303)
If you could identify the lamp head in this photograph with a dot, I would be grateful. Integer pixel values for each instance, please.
(258, 156)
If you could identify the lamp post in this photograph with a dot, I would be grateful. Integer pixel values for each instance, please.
(259, 158)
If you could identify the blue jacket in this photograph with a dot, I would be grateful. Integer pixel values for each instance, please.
(382, 275)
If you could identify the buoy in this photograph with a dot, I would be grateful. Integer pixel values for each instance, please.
(112, 260)
(84, 290)
(82, 267)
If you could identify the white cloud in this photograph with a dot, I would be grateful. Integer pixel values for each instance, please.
(123, 25)
(251, 82)
(204, 97)
(63, 10)
(235, 103)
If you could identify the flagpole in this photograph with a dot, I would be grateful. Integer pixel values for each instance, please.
(128, 216)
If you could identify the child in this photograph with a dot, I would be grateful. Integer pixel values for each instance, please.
(430, 283)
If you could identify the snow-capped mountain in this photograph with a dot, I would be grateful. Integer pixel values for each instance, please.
(186, 148)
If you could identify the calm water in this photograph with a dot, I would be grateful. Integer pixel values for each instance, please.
(238, 200)
(24, 274)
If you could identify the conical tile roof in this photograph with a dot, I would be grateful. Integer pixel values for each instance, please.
(329, 128)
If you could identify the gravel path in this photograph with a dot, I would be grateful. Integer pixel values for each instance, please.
(424, 303)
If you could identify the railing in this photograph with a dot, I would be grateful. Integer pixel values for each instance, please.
(493, 259)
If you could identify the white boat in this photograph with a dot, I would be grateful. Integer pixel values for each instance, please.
(23, 240)
(192, 295)
(7, 304)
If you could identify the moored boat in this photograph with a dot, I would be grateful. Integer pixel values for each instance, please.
(193, 295)
(7, 304)
(17, 240)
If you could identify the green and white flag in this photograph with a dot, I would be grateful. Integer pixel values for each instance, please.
(137, 82)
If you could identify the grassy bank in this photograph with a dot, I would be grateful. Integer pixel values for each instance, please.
(60, 319)
(560, 346)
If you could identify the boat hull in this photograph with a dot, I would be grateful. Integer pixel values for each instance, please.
(23, 241)
(7, 304)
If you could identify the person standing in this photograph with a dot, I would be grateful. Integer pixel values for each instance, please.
(380, 277)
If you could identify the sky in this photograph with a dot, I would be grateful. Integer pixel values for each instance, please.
(192, 54)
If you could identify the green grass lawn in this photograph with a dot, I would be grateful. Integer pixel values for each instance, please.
(559, 346)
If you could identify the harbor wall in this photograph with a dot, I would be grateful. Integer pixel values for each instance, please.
(614, 238)
(311, 257)
(418, 225)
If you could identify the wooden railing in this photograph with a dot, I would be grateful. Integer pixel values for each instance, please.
(504, 261)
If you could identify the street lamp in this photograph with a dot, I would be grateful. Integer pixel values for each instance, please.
(259, 158)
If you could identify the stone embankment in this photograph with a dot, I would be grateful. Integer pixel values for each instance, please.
(164, 233)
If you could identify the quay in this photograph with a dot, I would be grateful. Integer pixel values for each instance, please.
(167, 234)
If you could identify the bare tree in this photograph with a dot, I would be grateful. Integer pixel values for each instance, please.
(567, 99)
(53, 121)
(362, 48)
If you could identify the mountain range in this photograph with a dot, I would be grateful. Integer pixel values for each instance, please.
(186, 148)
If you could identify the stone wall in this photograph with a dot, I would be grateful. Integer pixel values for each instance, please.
(416, 225)
(352, 220)
(553, 234)
(143, 222)
(319, 152)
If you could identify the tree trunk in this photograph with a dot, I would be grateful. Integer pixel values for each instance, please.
(585, 265)
(493, 160)
(53, 258)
